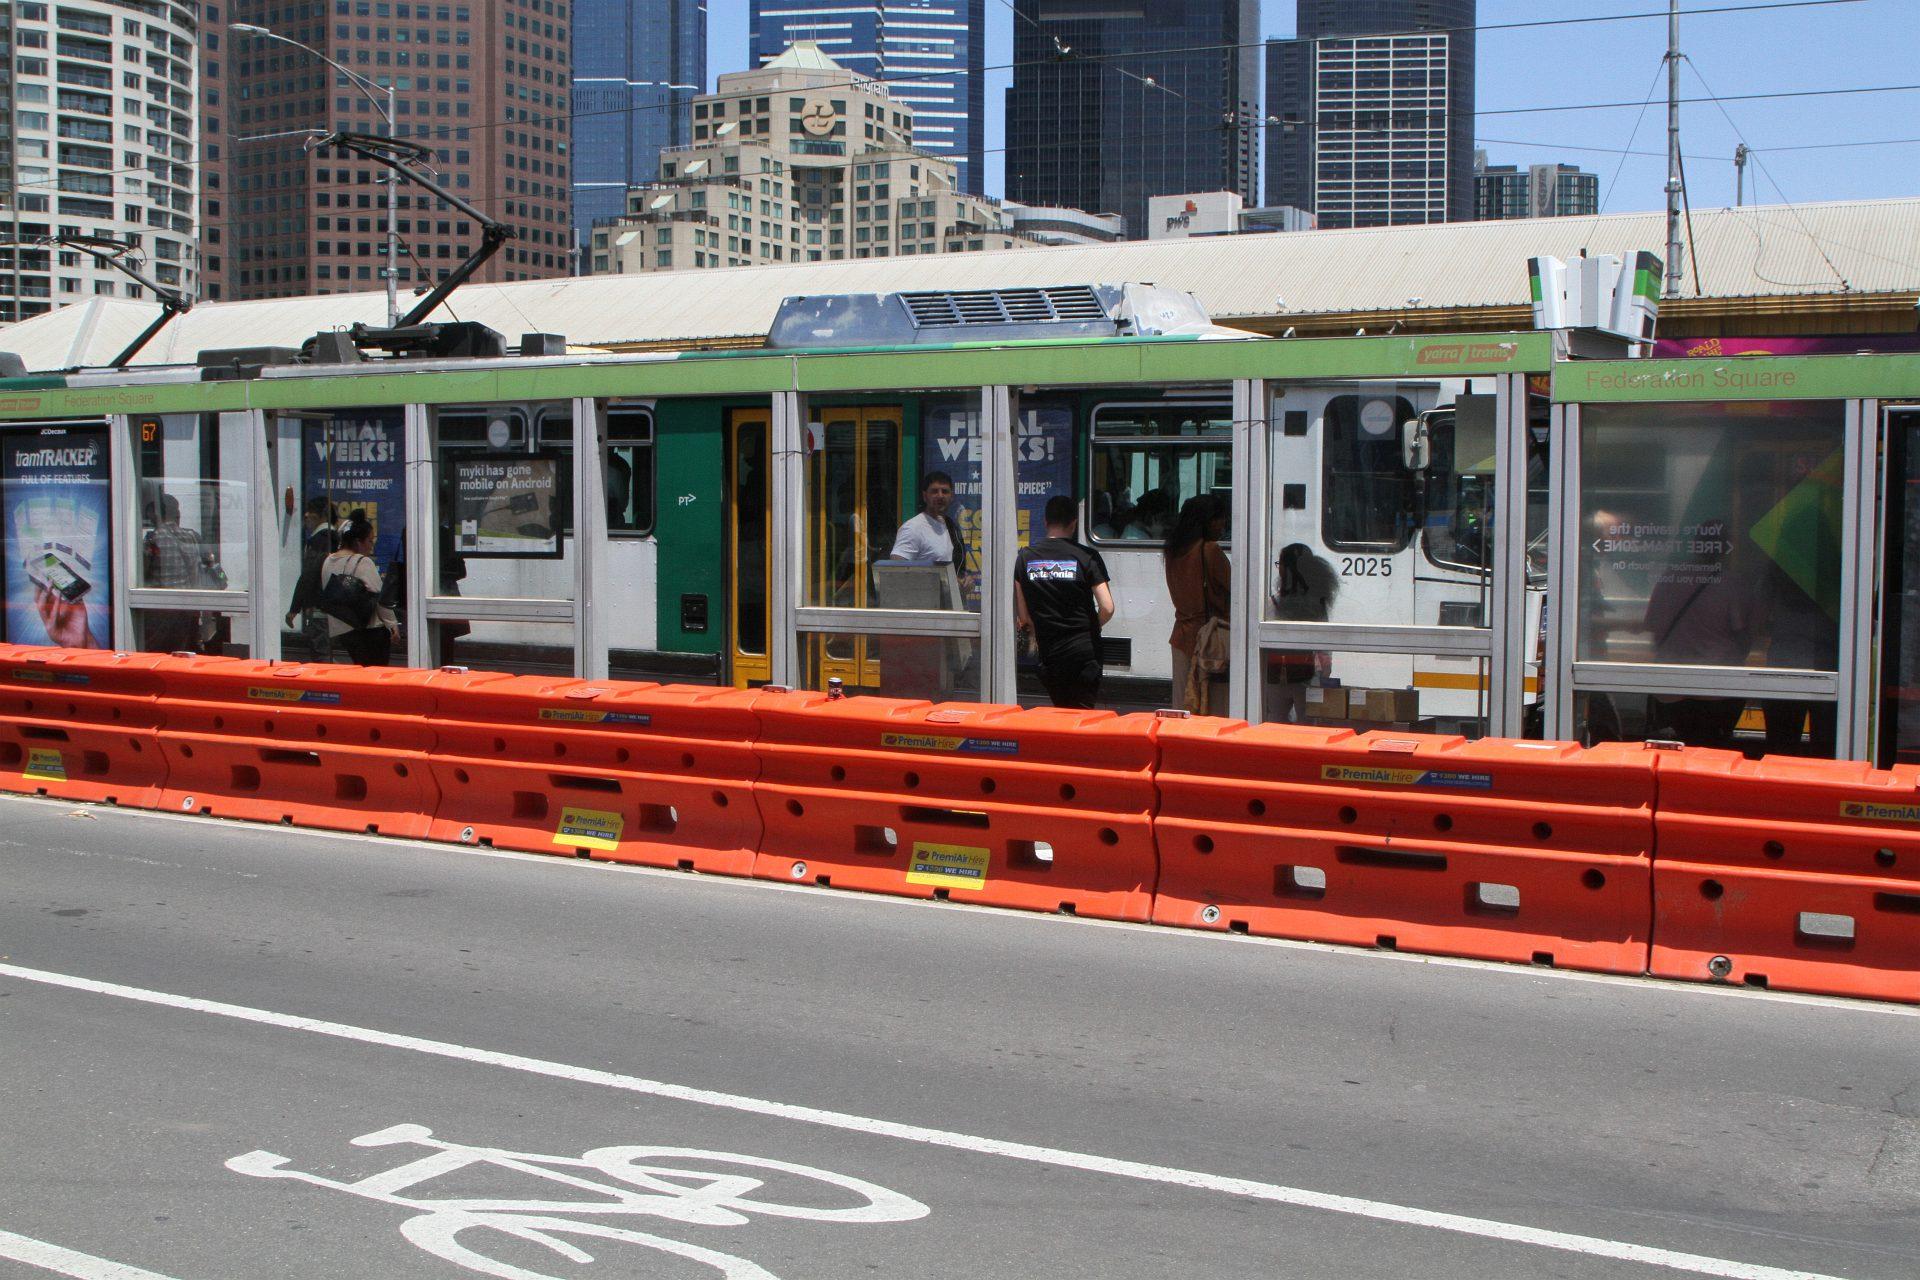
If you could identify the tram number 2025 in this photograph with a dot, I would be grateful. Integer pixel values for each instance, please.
(1366, 567)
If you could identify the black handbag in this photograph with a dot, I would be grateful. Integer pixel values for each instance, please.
(350, 600)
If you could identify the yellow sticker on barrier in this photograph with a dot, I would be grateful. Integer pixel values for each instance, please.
(46, 765)
(1874, 811)
(589, 829)
(948, 866)
(1379, 777)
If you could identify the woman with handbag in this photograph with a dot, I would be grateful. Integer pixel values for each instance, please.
(350, 597)
(1199, 580)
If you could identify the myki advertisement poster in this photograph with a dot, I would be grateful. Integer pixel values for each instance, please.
(55, 498)
(1043, 466)
(358, 462)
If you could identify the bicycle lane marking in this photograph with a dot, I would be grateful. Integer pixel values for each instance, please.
(1274, 1193)
(68, 1262)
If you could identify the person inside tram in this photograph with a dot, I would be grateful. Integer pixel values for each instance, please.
(1199, 580)
(1304, 587)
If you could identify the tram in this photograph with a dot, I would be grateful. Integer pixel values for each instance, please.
(734, 519)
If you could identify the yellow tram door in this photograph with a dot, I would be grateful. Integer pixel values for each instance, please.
(854, 502)
(749, 517)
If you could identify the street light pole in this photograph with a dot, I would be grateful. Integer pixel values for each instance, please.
(367, 89)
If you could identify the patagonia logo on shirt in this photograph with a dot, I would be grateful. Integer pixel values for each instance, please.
(1053, 570)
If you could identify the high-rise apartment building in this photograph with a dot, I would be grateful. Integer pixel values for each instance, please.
(487, 84)
(102, 132)
(1115, 102)
(1374, 102)
(800, 160)
(636, 66)
(931, 55)
(1538, 191)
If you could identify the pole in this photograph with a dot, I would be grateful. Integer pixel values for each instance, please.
(1739, 175)
(393, 225)
(1674, 181)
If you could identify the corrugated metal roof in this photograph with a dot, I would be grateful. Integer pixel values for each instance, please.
(1863, 246)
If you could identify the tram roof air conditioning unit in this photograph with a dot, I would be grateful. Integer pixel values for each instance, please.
(1601, 306)
(932, 317)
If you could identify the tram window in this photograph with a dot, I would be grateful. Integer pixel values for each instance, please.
(1458, 520)
(1147, 460)
(629, 471)
(1370, 497)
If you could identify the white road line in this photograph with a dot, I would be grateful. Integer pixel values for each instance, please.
(66, 1262)
(1378, 1210)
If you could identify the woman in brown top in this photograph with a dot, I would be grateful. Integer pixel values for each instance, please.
(1199, 580)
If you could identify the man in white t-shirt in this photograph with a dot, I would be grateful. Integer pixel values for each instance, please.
(932, 536)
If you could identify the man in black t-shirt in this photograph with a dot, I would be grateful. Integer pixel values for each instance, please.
(1060, 594)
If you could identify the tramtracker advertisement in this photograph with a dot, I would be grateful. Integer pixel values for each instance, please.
(55, 498)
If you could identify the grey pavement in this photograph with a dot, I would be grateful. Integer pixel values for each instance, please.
(1768, 1135)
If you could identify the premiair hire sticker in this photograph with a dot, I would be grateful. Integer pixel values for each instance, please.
(46, 766)
(948, 866)
(589, 829)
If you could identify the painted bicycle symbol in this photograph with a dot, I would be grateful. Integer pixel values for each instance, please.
(592, 1194)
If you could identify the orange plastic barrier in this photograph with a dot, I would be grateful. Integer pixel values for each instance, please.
(1517, 851)
(647, 773)
(339, 747)
(81, 724)
(1047, 810)
(1802, 875)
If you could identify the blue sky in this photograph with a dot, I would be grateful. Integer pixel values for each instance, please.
(1870, 43)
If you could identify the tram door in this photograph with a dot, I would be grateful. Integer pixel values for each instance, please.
(1899, 719)
(854, 493)
(749, 515)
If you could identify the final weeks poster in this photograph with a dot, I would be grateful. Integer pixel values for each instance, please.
(358, 462)
(951, 442)
(55, 498)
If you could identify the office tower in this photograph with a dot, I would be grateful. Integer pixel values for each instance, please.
(215, 147)
(1538, 191)
(636, 66)
(1374, 100)
(1114, 101)
(800, 160)
(486, 84)
(931, 55)
(102, 128)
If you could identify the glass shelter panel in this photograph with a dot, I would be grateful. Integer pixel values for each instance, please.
(1420, 692)
(1900, 594)
(937, 668)
(504, 495)
(892, 512)
(1382, 504)
(1710, 535)
(335, 468)
(195, 498)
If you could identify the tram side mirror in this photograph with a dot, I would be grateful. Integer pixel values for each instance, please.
(1416, 445)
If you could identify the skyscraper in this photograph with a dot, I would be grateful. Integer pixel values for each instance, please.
(1114, 101)
(1375, 106)
(930, 54)
(102, 128)
(636, 66)
(484, 83)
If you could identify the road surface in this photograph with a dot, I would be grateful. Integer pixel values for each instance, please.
(242, 1051)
